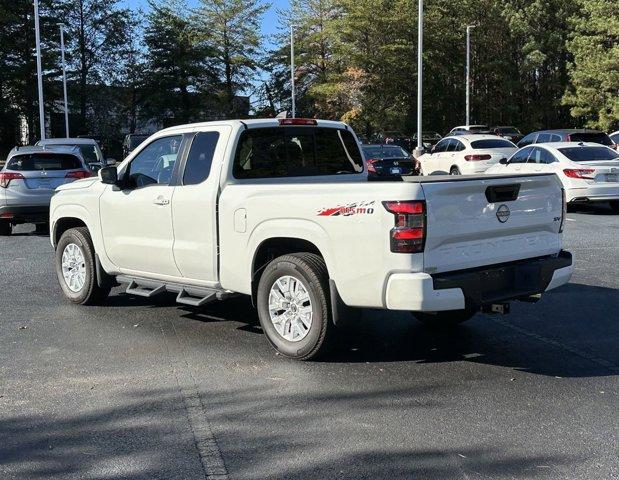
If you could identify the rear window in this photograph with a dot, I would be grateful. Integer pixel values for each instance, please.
(492, 143)
(594, 137)
(296, 152)
(589, 154)
(43, 161)
(385, 152)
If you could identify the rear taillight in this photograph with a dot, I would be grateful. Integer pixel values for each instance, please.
(6, 177)
(78, 174)
(477, 158)
(370, 164)
(583, 173)
(563, 209)
(409, 233)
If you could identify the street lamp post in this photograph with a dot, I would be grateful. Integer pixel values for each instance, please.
(468, 72)
(292, 71)
(37, 38)
(64, 82)
(419, 149)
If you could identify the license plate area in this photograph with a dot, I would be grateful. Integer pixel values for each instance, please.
(395, 170)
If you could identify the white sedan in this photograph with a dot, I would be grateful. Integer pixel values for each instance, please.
(466, 154)
(589, 171)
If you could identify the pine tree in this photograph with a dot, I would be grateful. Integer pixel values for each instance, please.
(594, 91)
(231, 28)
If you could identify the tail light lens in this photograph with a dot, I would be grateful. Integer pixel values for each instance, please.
(583, 173)
(78, 174)
(477, 158)
(409, 232)
(6, 177)
(370, 164)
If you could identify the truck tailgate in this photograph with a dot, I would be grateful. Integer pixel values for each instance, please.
(487, 220)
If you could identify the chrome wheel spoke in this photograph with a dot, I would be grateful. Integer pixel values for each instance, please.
(290, 308)
(73, 265)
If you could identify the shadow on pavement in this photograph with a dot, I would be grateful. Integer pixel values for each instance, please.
(133, 440)
(569, 333)
(601, 208)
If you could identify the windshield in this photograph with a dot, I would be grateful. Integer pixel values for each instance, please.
(594, 137)
(385, 151)
(43, 161)
(492, 143)
(136, 140)
(508, 130)
(89, 152)
(589, 154)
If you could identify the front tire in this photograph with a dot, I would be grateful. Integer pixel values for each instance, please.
(614, 205)
(5, 228)
(294, 306)
(447, 319)
(76, 270)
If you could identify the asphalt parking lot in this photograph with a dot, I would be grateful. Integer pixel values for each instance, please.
(147, 389)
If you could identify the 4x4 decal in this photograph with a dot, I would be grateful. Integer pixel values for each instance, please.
(355, 208)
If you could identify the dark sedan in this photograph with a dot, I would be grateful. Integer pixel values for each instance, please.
(509, 133)
(388, 162)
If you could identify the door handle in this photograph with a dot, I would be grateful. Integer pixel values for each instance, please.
(161, 201)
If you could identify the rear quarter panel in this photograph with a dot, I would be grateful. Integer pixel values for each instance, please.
(346, 221)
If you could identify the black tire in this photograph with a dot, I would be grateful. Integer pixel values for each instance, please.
(454, 171)
(311, 270)
(90, 293)
(447, 319)
(614, 205)
(5, 228)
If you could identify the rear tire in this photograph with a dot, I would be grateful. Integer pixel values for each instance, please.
(76, 268)
(614, 205)
(447, 319)
(5, 228)
(301, 328)
(454, 171)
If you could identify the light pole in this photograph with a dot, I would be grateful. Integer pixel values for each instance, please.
(64, 82)
(37, 38)
(419, 149)
(292, 71)
(468, 72)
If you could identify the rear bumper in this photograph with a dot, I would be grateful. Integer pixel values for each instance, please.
(593, 193)
(479, 286)
(25, 213)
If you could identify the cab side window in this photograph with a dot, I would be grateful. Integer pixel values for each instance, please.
(154, 164)
(200, 158)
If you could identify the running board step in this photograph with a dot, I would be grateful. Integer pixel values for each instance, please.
(135, 289)
(187, 295)
(187, 299)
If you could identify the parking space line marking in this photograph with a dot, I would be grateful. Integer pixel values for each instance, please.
(207, 448)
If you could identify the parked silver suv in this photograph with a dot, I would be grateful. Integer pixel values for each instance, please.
(28, 181)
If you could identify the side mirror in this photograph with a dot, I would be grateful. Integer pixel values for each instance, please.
(110, 161)
(503, 161)
(109, 175)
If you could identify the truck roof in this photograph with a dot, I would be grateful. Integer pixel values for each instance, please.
(252, 123)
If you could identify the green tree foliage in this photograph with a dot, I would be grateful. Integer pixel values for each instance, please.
(519, 61)
(18, 74)
(594, 43)
(177, 63)
(231, 28)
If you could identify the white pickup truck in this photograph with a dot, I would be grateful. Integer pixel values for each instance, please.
(282, 210)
